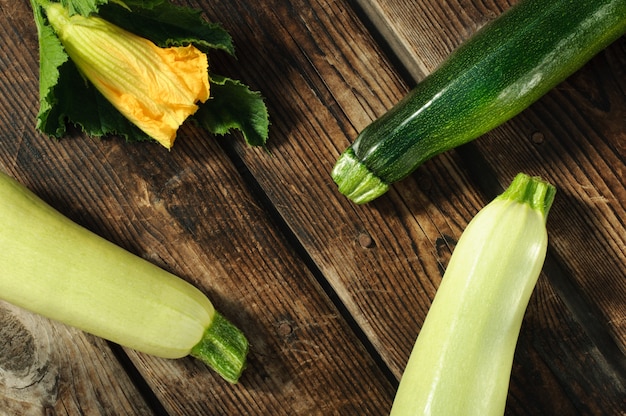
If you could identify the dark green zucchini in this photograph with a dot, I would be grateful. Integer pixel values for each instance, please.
(506, 66)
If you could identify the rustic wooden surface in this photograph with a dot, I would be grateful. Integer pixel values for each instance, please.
(331, 295)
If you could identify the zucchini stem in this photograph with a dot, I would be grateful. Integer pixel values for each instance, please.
(224, 348)
(355, 180)
(531, 190)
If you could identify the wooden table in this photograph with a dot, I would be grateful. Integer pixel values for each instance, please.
(331, 295)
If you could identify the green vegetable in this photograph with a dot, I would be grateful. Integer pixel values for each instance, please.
(500, 71)
(67, 97)
(462, 359)
(56, 268)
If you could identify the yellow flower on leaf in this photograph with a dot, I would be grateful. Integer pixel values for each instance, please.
(155, 88)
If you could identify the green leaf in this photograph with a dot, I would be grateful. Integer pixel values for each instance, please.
(168, 25)
(67, 97)
(52, 56)
(83, 7)
(234, 106)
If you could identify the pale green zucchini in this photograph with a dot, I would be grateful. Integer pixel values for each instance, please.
(56, 268)
(462, 359)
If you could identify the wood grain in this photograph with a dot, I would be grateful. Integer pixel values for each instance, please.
(331, 295)
(189, 211)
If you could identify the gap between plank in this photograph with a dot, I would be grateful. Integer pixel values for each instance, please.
(394, 51)
(293, 241)
(152, 401)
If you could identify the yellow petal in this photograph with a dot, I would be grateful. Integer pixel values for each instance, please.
(155, 88)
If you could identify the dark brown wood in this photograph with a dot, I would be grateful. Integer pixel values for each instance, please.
(331, 295)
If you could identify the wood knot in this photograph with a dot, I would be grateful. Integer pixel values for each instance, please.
(365, 240)
(285, 329)
(28, 373)
(17, 346)
(537, 137)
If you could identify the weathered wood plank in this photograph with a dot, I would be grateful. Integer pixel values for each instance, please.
(387, 281)
(189, 211)
(193, 212)
(319, 125)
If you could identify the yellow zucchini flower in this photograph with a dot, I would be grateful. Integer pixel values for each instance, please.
(155, 88)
